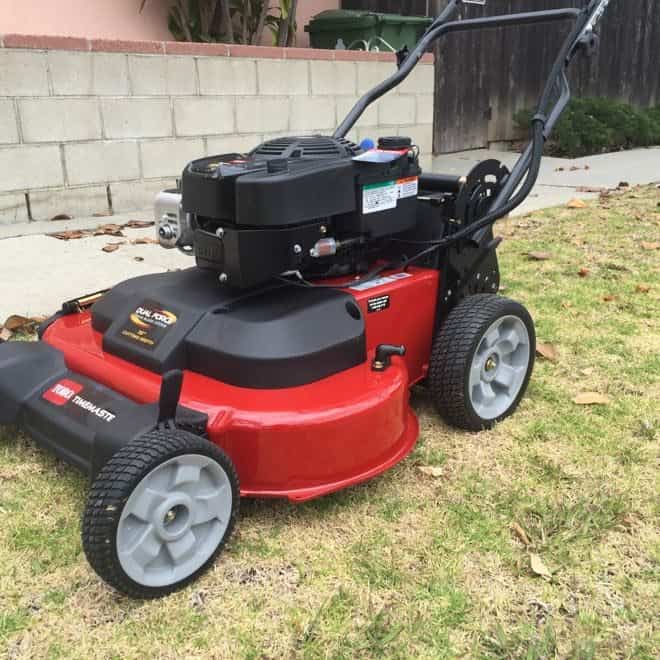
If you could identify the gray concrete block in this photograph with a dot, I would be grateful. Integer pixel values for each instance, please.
(153, 75)
(110, 74)
(420, 81)
(425, 106)
(136, 118)
(71, 72)
(8, 125)
(283, 77)
(23, 73)
(422, 136)
(167, 158)
(138, 195)
(227, 76)
(262, 115)
(59, 120)
(333, 77)
(396, 109)
(100, 162)
(371, 74)
(76, 202)
(13, 209)
(203, 116)
(313, 113)
(25, 167)
(229, 144)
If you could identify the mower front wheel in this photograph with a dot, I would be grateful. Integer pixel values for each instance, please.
(482, 361)
(159, 513)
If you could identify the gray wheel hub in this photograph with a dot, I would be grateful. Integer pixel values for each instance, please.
(174, 520)
(499, 367)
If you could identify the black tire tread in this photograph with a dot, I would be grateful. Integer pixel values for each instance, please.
(111, 490)
(452, 354)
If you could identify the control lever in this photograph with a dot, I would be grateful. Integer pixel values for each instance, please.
(170, 392)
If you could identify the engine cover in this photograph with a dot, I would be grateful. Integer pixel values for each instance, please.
(260, 214)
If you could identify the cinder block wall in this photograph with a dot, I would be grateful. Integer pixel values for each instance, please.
(88, 126)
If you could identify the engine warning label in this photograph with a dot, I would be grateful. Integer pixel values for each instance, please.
(408, 187)
(69, 393)
(378, 304)
(148, 324)
(385, 196)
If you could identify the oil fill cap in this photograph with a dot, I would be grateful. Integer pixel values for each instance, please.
(395, 143)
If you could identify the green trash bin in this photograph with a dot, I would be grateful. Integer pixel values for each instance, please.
(360, 30)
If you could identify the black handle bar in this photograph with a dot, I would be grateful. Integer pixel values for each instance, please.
(547, 115)
(433, 35)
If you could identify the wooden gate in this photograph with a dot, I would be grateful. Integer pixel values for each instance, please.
(484, 78)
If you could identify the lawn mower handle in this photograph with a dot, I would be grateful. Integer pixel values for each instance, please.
(547, 115)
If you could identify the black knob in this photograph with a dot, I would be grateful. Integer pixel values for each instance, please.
(277, 165)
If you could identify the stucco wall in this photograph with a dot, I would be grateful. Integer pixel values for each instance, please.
(84, 121)
(110, 19)
(113, 19)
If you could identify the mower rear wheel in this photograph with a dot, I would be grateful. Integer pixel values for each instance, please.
(159, 513)
(482, 360)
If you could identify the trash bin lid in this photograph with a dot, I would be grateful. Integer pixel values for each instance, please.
(410, 20)
(331, 19)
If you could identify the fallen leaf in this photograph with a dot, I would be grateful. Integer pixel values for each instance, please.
(560, 169)
(108, 230)
(70, 235)
(546, 351)
(520, 533)
(62, 216)
(431, 471)
(144, 241)
(539, 256)
(591, 399)
(138, 258)
(538, 567)
(642, 288)
(16, 322)
(101, 214)
(645, 245)
(139, 224)
(576, 204)
(113, 247)
(5, 334)
(609, 298)
(584, 272)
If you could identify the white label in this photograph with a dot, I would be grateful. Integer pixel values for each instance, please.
(372, 284)
(408, 187)
(380, 197)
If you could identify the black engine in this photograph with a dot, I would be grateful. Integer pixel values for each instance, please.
(311, 204)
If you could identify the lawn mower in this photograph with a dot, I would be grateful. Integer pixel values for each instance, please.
(329, 278)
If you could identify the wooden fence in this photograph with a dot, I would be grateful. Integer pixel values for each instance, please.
(482, 79)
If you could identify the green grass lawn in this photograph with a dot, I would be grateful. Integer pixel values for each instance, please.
(411, 565)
